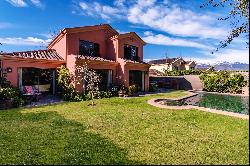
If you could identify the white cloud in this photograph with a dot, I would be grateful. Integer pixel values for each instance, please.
(146, 3)
(228, 55)
(161, 16)
(168, 41)
(148, 33)
(37, 3)
(29, 41)
(176, 21)
(17, 3)
(23, 3)
(95, 9)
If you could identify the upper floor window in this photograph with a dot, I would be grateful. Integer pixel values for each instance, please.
(176, 68)
(131, 52)
(87, 48)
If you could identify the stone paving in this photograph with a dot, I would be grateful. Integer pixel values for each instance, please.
(46, 100)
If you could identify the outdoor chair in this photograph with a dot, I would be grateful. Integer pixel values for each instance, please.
(31, 93)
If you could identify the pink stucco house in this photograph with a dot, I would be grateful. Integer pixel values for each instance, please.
(118, 58)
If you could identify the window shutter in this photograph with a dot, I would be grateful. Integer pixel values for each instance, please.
(136, 54)
(96, 50)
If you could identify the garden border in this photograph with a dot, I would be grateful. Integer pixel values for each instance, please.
(155, 102)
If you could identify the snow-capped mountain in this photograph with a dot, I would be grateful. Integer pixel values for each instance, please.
(225, 66)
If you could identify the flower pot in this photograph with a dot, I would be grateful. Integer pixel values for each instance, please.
(121, 93)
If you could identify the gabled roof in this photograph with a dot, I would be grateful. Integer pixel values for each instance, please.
(168, 61)
(129, 34)
(36, 54)
(81, 29)
(162, 61)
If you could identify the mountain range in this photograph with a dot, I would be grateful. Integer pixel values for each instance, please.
(225, 66)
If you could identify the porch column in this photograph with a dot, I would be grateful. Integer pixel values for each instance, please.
(143, 81)
(109, 78)
(54, 81)
(20, 78)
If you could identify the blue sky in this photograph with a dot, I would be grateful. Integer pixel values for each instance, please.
(170, 27)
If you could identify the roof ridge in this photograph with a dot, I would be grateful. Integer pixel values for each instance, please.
(49, 54)
(33, 51)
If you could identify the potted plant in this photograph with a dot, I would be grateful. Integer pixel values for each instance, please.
(122, 91)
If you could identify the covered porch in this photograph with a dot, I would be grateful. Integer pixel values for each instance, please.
(39, 73)
(107, 69)
(136, 73)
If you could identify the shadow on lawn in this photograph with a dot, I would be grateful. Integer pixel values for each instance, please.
(48, 138)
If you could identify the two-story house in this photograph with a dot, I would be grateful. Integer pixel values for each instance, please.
(118, 58)
(170, 64)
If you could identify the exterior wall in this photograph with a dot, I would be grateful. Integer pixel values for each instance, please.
(192, 65)
(61, 47)
(171, 67)
(67, 46)
(130, 41)
(106, 46)
(91, 36)
(95, 66)
(112, 52)
(161, 67)
(191, 82)
(179, 64)
(15, 64)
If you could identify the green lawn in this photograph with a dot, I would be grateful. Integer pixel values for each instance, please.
(121, 131)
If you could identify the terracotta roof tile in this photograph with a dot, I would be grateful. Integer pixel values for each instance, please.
(162, 61)
(36, 54)
(93, 58)
(131, 61)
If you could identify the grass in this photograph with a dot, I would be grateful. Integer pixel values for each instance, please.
(121, 131)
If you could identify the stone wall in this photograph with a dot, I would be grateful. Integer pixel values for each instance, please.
(191, 82)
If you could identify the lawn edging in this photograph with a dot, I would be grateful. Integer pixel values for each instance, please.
(155, 102)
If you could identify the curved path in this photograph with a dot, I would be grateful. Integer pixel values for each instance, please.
(156, 102)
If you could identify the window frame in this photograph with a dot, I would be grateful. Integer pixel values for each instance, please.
(93, 52)
(129, 52)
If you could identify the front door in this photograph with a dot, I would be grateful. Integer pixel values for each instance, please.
(136, 77)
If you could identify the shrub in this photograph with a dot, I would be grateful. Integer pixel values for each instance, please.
(114, 91)
(103, 94)
(183, 72)
(10, 94)
(65, 79)
(132, 89)
(153, 87)
(223, 82)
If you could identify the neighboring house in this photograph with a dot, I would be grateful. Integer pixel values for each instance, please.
(154, 72)
(171, 64)
(118, 58)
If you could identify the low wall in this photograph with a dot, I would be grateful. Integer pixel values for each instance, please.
(191, 82)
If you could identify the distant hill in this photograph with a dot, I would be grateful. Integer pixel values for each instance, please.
(225, 66)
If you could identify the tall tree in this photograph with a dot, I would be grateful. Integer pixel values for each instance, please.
(91, 78)
(238, 17)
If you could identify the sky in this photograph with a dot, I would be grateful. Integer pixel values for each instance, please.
(171, 28)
